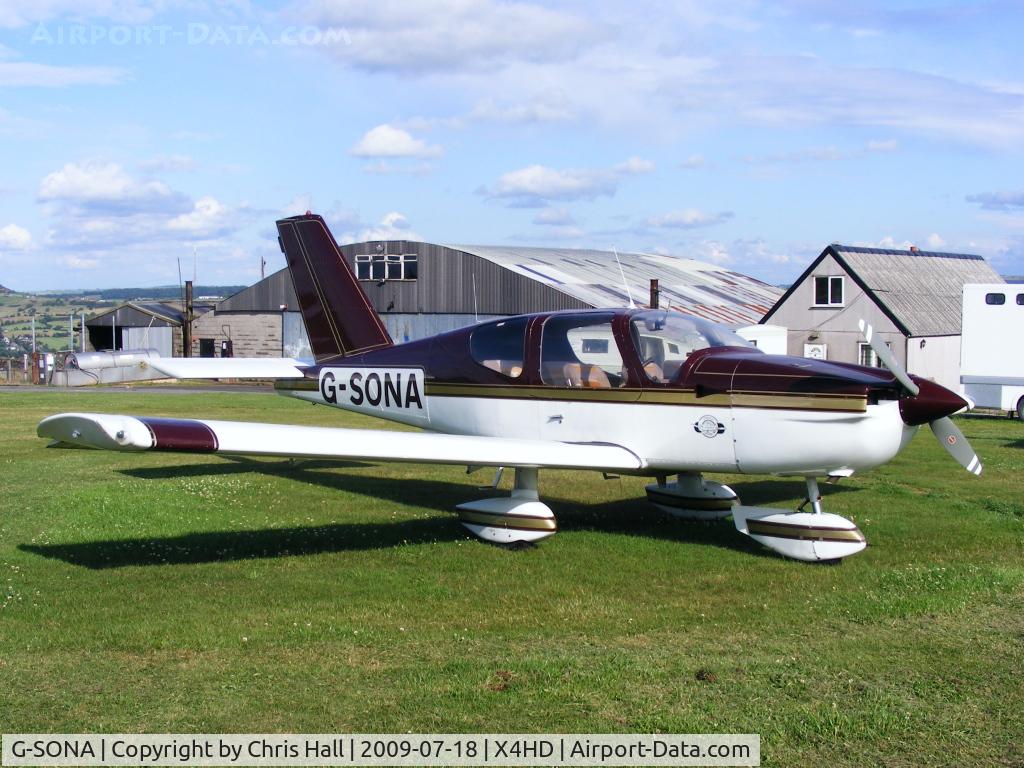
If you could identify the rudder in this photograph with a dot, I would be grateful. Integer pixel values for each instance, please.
(340, 320)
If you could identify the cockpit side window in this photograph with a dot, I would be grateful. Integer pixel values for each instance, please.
(500, 346)
(664, 340)
(580, 351)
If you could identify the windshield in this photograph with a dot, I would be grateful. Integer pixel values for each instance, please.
(664, 340)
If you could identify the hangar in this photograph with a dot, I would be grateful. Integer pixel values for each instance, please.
(421, 289)
(140, 325)
(912, 298)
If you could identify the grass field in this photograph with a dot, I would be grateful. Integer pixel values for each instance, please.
(184, 593)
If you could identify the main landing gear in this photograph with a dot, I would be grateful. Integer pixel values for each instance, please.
(812, 536)
(521, 517)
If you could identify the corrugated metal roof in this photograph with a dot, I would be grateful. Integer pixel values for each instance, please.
(923, 289)
(593, 277)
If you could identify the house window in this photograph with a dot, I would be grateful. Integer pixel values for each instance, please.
(387, 266)
(828, 291)
(1020, 299)
(995, 298)
(867, 356)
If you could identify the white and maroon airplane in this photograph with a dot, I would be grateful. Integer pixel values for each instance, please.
(628, 391)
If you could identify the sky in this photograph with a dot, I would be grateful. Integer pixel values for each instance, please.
(139, 134)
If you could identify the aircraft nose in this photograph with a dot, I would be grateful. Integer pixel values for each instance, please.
(931, 403)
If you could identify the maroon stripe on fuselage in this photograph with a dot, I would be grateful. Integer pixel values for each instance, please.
(181, 435)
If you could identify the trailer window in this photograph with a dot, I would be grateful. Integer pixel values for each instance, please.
(995, 298)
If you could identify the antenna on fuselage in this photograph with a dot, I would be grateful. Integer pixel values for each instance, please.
(476, 314)
(622, 274)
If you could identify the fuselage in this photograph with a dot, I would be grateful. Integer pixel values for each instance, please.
(681, 393)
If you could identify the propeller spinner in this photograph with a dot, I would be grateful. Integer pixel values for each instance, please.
(927, 403)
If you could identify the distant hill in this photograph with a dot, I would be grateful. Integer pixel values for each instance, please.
(5, 291)
(159, 293)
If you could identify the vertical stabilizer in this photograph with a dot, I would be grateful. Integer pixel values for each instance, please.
(339, 318)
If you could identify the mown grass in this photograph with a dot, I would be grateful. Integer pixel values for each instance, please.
(184, 593)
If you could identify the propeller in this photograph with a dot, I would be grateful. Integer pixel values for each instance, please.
(919, 405)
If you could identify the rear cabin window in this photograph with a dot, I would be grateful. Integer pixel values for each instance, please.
(499, 346)
(995, 298)
(580, 351)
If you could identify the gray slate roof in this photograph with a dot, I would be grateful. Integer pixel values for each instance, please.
(921, 289)
(593, 277)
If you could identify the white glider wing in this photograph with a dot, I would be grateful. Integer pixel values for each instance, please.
(227, 367)
(142, 433)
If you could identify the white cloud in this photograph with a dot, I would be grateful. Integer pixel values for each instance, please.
(888, 243)
(385, 167)
(206, 219)
(388, 141)
(805, 155)
(15, 238)
(533, 185)
(165, 163)
(393, 226)
(693, 162)
(883, 145)
(546, 108)
(32, 74)
(688, 218)
(554, 217)
(18, 13)
(94, 181)
(935, 242)
(78, 262)
(998, 201)
(298, 205)
(634, 165)
(422, 37)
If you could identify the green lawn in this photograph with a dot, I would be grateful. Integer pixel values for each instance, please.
(184, 593)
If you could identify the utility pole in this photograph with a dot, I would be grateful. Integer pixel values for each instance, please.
(186, 328)
(655, 293)
(83, 332)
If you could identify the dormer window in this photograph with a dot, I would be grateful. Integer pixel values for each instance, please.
(828, 291)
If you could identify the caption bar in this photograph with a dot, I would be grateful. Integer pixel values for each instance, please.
(380, 749)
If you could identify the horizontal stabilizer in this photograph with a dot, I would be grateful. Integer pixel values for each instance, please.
(228, 367)
(141, 433)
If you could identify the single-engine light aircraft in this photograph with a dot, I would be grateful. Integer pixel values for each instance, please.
(627, 391)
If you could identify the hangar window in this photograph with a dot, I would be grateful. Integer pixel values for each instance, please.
(997, 299)
(828, 291)
(580, 351)
(499, 346)
(387, 266)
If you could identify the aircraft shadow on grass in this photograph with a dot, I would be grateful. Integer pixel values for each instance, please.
(633, 517)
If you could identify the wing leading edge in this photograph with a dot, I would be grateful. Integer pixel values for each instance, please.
(143, 433)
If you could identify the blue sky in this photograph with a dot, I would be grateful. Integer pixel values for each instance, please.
(750, 134)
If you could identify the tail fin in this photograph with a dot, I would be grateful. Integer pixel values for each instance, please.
(340, 320)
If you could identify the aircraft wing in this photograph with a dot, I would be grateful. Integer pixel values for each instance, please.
(143, 433)
(228, 367)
